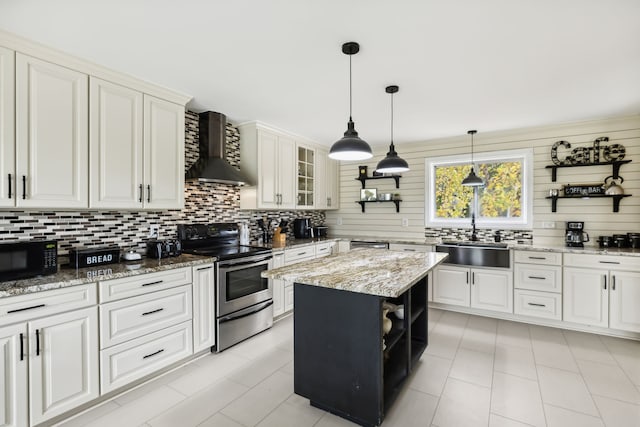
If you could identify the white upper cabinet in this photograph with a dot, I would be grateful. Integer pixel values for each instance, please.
(7, 128)
(332, 184)
(115, 138)
(51, 135)
(268, 158)
(326, 181)
(163, 154)
(306, 177)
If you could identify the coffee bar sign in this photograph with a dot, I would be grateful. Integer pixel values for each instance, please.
(591, 155)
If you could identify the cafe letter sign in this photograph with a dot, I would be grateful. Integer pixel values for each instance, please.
(587, 155)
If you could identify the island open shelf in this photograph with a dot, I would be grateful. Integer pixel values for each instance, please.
(343, 362)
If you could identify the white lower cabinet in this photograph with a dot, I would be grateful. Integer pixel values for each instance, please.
(49, 358)
(538, 284)
(124, 363)
(537, 304)
(487, 289)
(624, 301)
(278, 285)
(63, 363)
(586, 296)
(204, 307)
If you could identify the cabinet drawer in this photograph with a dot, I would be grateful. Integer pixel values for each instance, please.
(292, 256)
(603, 261)
(538, 304)
(538, 257)
(111, 290)
(409, 248)
(538, 277)
(124, 363)
(131, 318)
(39, 304)
(324, 249)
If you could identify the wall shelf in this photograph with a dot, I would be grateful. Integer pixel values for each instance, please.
(615, 166)
(616, 199)
(363, 202)
(364, 179)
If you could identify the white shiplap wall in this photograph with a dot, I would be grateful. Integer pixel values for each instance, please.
(381, 220)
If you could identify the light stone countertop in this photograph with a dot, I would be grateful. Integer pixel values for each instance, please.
(367, 271)
(590, 250)
(66, 277)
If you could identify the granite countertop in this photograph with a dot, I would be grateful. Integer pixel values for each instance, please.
(367, 271)
(591, 250)
(73, 277)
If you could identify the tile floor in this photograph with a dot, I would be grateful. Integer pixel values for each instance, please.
(476, 372)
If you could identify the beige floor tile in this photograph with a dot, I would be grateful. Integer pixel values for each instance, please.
(566, 390)
(257, 403)
(200, 406)
(498, 421)
(330, 420)
(262, 367)
(212, 368)
(586, 346)
(288, 368)
(560, 417)
(294, 412)
(515, 361)
(618, 346)
(442, 344)
(219, 420)
(430, 374)
(453, 322)
(463, 404)
(618, 414)
(435, 315)
(87, 417)
(513, 333)
(480, 335)
(140, 410)
(517, 398)
(412, 409)
(609, 381)
(473, 367)
(554, 355)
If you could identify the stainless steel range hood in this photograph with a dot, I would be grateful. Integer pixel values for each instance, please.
(212, 165)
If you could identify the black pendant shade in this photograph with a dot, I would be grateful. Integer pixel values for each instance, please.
(472, 180)
(392, 163)
(350, 146)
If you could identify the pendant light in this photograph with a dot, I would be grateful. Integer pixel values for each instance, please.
(472, 180)
(392, 163)
(350, 147)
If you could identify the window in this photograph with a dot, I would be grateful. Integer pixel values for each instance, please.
(505, 200)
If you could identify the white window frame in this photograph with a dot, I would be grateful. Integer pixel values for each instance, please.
(525, 221)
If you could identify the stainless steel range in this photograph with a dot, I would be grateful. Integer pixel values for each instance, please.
(244, 303)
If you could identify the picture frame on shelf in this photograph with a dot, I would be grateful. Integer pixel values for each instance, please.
(368, 194)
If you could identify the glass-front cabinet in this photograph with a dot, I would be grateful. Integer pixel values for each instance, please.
(306, 174)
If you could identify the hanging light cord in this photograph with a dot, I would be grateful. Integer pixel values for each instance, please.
(472, 151)
(350, 90)
(391, 119)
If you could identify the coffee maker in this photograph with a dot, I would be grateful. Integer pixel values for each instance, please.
(575, 236)
(302, 228)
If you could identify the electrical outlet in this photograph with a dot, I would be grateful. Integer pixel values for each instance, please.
(154, 231)
(548, 224)
(405, 222)
(339, 221)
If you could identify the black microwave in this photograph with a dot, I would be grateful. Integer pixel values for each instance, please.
(21, 260)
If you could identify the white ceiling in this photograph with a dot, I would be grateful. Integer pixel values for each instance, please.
(460, 64)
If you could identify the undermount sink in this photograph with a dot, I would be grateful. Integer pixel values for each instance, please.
(481, 254)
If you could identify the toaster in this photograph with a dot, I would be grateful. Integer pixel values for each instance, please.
(163, 248)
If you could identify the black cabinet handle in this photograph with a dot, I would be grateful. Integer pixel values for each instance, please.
(605, 283)
(609, 262)
(473, 278)
(153, 354)
(25, 309)
(141, 191)
(535, 304)
(537, 257)
(467, 277)
(10, 186)
(152, 311)
(24, 187)
(205, 268)
(37, 342)
(537, 277)
(613, 283)
(153, 283)
(21, 346)
(148, 194)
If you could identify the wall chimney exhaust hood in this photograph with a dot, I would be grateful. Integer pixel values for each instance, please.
(212, 165)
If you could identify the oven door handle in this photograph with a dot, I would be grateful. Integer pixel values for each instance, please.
(246, 311)
(242, 265)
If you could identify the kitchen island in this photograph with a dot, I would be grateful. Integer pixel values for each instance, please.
(346, 361)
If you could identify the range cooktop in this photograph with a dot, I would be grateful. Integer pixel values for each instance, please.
(219, 239)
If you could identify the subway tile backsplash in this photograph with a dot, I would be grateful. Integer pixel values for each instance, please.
(204, 203)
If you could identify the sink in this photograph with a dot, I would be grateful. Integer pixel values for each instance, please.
(480, 254)
(475, 244)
